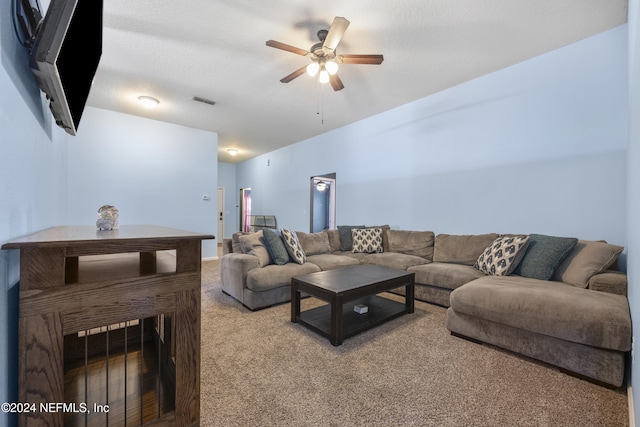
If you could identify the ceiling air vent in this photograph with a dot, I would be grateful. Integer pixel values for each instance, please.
(203, 100)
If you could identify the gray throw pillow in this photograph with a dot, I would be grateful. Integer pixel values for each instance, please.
(275, 246)
(543, 255)
(346, 239)
(253, 244)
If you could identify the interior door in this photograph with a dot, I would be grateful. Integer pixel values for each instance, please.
(220, 215)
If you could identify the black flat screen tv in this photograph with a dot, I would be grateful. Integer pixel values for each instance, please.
(65, 57)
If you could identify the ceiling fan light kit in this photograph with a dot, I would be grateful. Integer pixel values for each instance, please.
(323, 55)
(324, 77)
(313, 68)
(331, 67)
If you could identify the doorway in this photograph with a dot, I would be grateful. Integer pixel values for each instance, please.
(323, 202)
(220, 215)
(245, 209)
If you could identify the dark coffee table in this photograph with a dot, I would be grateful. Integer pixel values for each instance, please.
(343, 289)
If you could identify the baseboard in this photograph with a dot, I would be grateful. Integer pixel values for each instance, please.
(210, 258)
(632, 417)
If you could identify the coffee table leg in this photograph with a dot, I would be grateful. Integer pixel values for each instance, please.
(336, 320)
(295, 301)
(410, 297)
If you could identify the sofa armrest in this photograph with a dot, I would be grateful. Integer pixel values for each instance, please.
(613, 282)
(233, 273)
(227, 246)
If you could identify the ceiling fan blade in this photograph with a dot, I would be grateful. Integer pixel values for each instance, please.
(338, 27)
(362, 59)
(336, 83)
(296, 73)
(288, 48)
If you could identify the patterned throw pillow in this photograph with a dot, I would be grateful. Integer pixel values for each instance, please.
(346, 239)
(293, 246)
(502, 256)
(367, 240)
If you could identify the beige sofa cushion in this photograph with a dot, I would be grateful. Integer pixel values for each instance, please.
(273, 276)
(558, 310)
(585, 260)
(331, 262)
(614, 282)
(445, 275)
(314, 243)
(334, 240)
(461, 249)
(417, 243)
(253, 244)
(394, 260)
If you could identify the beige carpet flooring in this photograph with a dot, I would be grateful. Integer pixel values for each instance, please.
(259, 369)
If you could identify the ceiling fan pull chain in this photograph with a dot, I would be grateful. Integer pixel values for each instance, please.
(322, 102)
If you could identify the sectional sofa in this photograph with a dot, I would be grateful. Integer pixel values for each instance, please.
(556, 299)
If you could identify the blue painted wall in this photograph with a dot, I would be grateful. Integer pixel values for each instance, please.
(32, 185)
(537, 147)
(153, 172)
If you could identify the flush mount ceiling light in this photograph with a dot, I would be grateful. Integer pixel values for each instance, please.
(232, 151)
(148, 101)
(321, 186)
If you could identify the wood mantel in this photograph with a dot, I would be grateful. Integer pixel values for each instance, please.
(53, 304)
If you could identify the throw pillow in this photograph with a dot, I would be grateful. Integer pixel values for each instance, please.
(587, 259)
(502, 256)
(543, 255)
(346, 240)
(367, 240)
(293, 246)
(236, 247)
(275, 246)
(253, 244)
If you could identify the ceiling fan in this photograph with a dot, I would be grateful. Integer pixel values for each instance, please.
(323, 55)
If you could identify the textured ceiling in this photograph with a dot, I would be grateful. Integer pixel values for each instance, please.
(215, 49)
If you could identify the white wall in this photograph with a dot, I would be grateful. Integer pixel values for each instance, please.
(537, 147)
(633, 180)
(153, 172)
